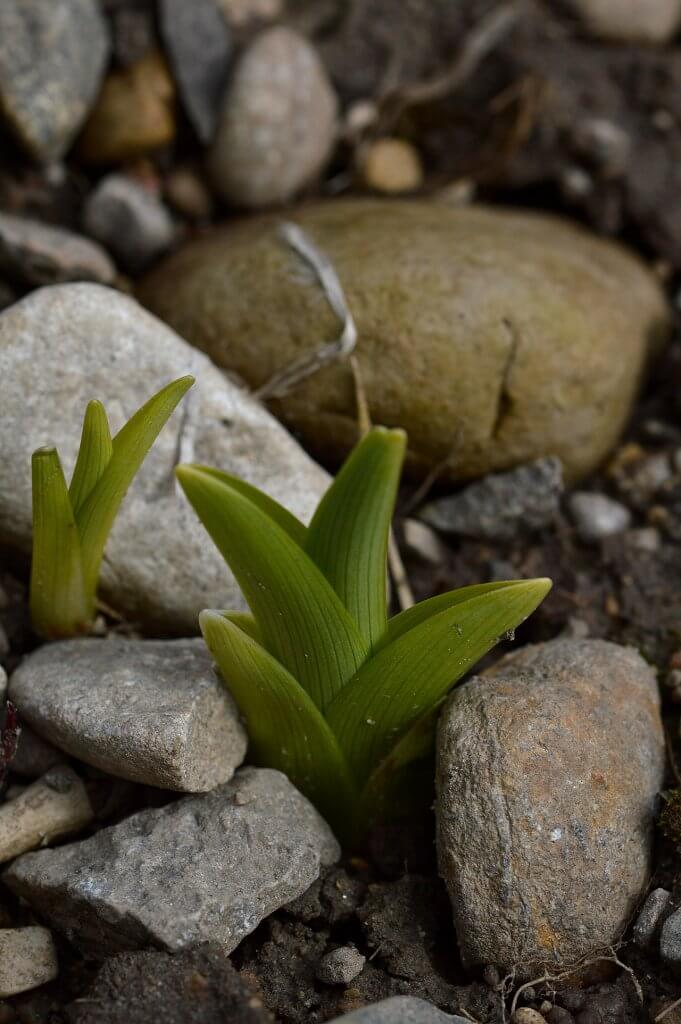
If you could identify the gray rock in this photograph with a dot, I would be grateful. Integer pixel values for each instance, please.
(64, 345)
(597, 516)
(129, 220)
(36, 253)
(548, 769)
(151, 711)
(28, 959)
(340, 966)
(206, 868)
(502, 505)
(670, 941)
(278, 122)
(52, 57)
(34, 755)
(630, 21)
(650, 918)
(399, 1010)
(198, 45)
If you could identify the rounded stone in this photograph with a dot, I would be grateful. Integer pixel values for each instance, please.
(392, 166)
(340, 966)
(548, 771)
(630, 21)
(494, 337)
(277, 124)
(28, 958)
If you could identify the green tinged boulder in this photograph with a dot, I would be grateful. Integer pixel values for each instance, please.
(491, 336)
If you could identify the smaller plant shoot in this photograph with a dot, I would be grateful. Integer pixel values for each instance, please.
(335, 694)
(71, 524)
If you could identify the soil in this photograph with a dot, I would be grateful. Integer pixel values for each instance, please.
(520, 128)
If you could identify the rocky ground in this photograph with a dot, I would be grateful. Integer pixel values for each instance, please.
(496, 185)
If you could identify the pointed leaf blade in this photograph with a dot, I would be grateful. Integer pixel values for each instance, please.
(130, 446)
(404, 680)
(348, 535)
(285, 728)
(94, 454)
(296, 530)
(245, 622)
(60, 604)
(302, 621)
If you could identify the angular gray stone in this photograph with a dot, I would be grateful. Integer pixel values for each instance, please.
(129, 220)
(52, 57)
(340, 966)
(399, 1010)
(64, 345)
(651, 916)
(501, 505)
(198, 46)
(597, 516)
(28, 959)
(205, 868)
(37, 253)
(670, 941)
(548, 770)
(152, 711)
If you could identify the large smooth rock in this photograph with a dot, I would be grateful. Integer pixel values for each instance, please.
(52, 57)
(62, 346)
(152, 711)
(548, 769)
(204, 869)
(493, 337)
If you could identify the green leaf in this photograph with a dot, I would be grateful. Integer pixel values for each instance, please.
(96, 515)
(407, 678)
(285, 519)
(286, 730)
(302, 621)
(245, 622)
(94, 454)
(348, 536)
(60, 604)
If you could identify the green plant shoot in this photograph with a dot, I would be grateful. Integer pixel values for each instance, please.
(71, 523)
(335, 694)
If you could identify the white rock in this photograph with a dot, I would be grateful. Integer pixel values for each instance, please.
(630, 21)
(27, 959)
(597, 516)
(277, 124)
(64, 345)
(54, 806)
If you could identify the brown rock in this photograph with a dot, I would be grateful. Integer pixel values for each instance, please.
(134, 115)
(493, 337)
(548, 768)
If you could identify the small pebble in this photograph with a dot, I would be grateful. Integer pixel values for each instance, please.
(646, 539)
(651, 917)
(341, 966)
(606, 144)
(597, 516)
(130, 220)
(526, 1015)
(28, 959)
(392, 166)
(187, 193)
(37, 254)
(629, 21)
(670, 941)
(422, 541)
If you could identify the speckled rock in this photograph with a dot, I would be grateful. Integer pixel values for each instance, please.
(399, 1010)
(630, 21)
(548, 769)
(277, 124)
(62, 346)
(130, 220)
(206, 868)
(52, 57)
(471, 336)
(152, 711)
(36, 253)
(28, 959)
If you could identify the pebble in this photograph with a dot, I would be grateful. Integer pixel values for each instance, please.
(670, 941)
(461, 310)
(151, 711)
(37, 254)
(647, 538)
(134, 115)
(130, 220)
(650, 918)
(187, 193)
(630, 21)
(34, 756)
(199, 48)
(47, 351)
(549, 766)
(400, 1010)
(340, 966)
(502, 505)
(205, 868)
(53, 54)
(54, 806)
(277, 125)
(28, 958)
(420, 540)
(526, 1015)
(597, 516)
(391, 166)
